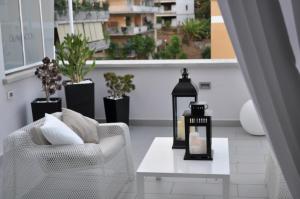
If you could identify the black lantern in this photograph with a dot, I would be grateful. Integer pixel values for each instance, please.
(182, 95)
(198, 141)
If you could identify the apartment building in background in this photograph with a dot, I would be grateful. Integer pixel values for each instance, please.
(89, 23)
(132, 17)
(221, 46)
(175, 12)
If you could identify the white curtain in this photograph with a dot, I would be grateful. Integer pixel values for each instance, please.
(265, 36)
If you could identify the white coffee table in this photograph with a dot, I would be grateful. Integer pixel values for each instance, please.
(163, 161)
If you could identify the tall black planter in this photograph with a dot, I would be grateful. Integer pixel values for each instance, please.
(81, 98)
(39, 107)
(117, 110)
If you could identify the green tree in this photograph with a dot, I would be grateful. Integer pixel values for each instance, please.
(202, 9)
(72, 55)
(143, 46)
(119, 85)
(206, 54)
(113, 52)
(195, 29)
(173, 50)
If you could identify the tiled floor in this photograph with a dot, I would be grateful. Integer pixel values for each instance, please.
(247, 160)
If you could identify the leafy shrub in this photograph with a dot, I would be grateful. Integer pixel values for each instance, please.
(72, 55)
(167, 24)
(202, 9)
(143, 46)
(159, 20)
(105, 5)
(206, 53)
(113, 51)
(60, 6)
(118, 86)
(173, 49)
(195, 29)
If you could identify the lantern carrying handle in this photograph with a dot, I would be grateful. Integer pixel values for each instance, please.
(184, 73)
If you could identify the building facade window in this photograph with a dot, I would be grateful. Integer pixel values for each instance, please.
(23, 28)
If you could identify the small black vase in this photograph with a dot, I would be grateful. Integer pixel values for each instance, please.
(117, 110)
(81, 98)
(40, 106)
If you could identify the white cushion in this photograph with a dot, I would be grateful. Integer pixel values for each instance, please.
(58, 133)
(84, 127)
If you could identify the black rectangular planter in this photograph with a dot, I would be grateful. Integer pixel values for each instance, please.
(117, 110)
(39, 107)
(81, 98)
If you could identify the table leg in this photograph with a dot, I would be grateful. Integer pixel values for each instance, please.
(140, 186)
(226, 187)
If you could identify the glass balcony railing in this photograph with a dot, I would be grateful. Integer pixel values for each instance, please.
(99, 45)
(128, 30)
(158, 26)
(84, 16)
(165, 1)
(133, 8)
(146, 9)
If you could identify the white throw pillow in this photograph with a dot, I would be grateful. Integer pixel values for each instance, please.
(58, 133)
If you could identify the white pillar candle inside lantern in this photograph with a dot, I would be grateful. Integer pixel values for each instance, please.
(197, 144)
(181, 128)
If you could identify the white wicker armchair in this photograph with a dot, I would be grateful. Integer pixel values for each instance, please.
(86, 171)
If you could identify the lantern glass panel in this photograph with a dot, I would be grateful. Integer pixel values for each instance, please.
(197, 141)
(183, 104)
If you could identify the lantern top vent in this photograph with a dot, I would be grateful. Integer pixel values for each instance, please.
(185, 87)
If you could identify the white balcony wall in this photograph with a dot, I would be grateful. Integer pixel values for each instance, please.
(185, 7)
(174, 22)
(185, 10)
(143, 29)
(138, 8)
(152, 98)
(158, 26)
(174, 8)
(135, 30)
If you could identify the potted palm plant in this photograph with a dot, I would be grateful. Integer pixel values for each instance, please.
(72, 55)
(117, 103)
(48, 73)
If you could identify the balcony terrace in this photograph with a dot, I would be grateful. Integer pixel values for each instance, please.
(128, 31)
(83, 16)
(158, 26)
(99, 45)
(164, 1)
(248, 154)
(132, 9)
(163, 11)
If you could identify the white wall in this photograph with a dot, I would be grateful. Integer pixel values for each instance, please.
(152, 98)
(182, 13)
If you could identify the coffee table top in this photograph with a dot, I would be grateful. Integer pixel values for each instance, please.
(162, 160)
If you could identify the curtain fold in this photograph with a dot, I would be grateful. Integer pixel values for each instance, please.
(291, 14)
(266, 48)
